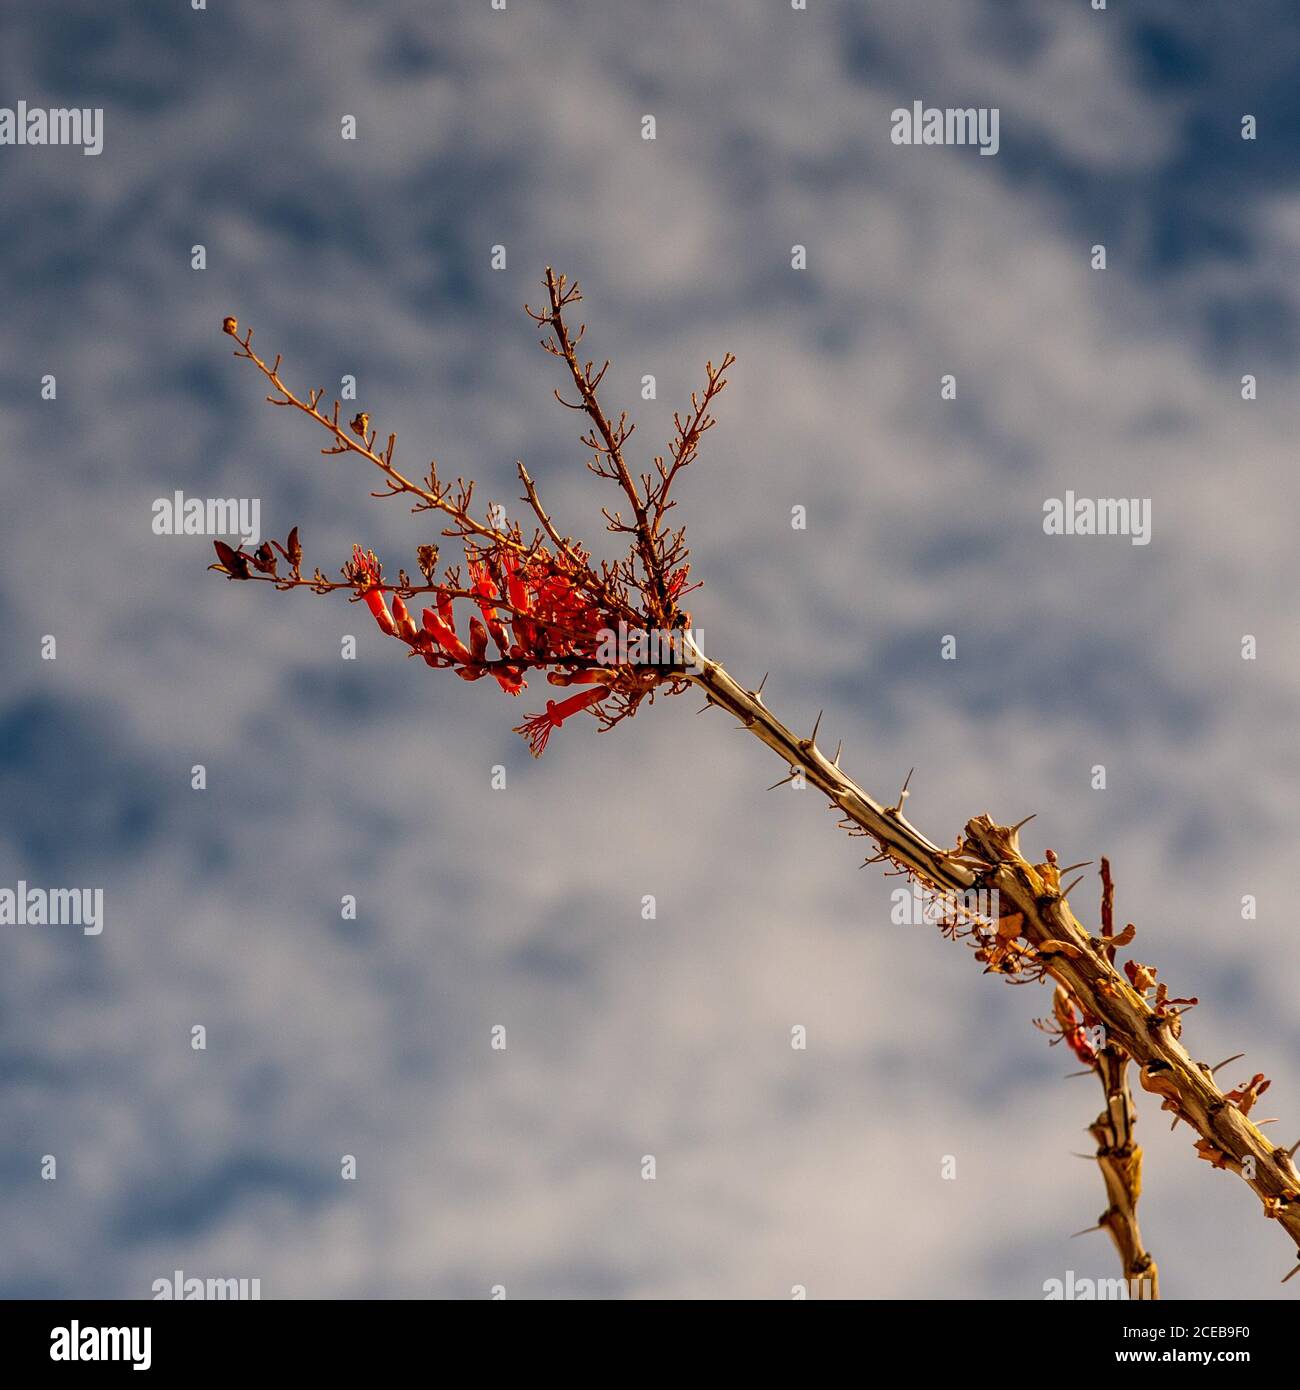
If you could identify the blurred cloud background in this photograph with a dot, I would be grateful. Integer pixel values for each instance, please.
(523, 907)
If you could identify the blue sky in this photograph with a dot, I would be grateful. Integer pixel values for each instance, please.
(522, 907)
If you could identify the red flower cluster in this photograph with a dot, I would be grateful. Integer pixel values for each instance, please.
(531, 611)
(524, 603)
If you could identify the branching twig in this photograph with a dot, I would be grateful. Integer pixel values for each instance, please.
(362, 441)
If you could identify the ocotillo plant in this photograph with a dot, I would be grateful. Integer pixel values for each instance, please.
(539, 603)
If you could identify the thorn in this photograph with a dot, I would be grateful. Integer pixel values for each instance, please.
(1088, 1232)
(1065, 892)
(1083, 865)
(761, 684)
(1019, 823)
(1070, 1075)
(812, 737)
(706, 706)
(1290, 1153)
(1088, 1158)
(1296, 1270)
(1226, 1060)
(782, 782)
(839, 748)
(897, 808)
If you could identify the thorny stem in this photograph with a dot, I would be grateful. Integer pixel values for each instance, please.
(1120, 1159)
(1119, 1156)
(988, 856)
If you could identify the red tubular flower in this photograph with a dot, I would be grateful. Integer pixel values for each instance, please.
(580, 677)
(406, 628)
(1070, 1027)
(375, 602)
(677, 585)
(478, 640)
(1076, 1039)
(484, 586)
(364, 572)
(525, 633)
(516, 589)
(443, 633)
(537, 727)
(510, 680)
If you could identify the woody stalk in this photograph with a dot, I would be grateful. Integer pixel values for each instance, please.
(537, 603)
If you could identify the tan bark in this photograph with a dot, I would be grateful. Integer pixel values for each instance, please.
(988, 856)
